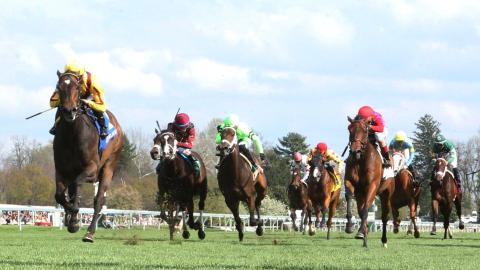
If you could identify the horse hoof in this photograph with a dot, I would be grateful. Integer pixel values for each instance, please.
(186, 234)
(259, 231)
(416, 234)
(201, 234)
(384, 245)
(349, 229)
(240, 237)
(88, 238)
(433, 233)
(461, 226)
(395, 230)
(359, 235)
(311, 232)
(409, 232)
(73, 228)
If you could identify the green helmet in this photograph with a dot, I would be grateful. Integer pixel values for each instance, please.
(440, 139)
(231, 120)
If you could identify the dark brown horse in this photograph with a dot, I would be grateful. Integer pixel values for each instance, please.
(320, 191)
(298, 199)
(76, 154)
(238, 183)
(406, 193)
(444, 195)
(177, 180)
(363, 179)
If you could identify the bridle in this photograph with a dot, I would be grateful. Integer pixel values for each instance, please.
(363, 142)
(77, 109)
(441, 174)
(164, 147)
(227, 145)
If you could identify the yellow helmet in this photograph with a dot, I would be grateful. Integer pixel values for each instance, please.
(75, 66)
(400, 136)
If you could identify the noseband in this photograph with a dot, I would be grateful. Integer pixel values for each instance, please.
(230, 145)
(363, 143)
(79, 80)
(165, 149)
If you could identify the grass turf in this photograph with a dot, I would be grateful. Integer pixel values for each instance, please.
(51, 248)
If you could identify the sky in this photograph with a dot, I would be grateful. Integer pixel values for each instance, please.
(282, 66)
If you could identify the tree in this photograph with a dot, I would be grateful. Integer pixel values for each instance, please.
(427, 129)
(205, 145)
(291, 143)
(126, 162)
(469, 167)
(124, 196)
(141, 157)
(278, 175)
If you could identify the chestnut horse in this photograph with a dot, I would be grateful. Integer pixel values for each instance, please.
(76, 154)
(321, 194)
(406, 193)
(363, 179)
(237, 183)
(444, 195)
(298, 199)
(177, 180)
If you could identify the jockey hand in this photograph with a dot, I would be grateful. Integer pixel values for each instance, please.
(187, 152)
(85, 101)
(333, 164)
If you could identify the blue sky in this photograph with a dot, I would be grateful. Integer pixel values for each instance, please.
(280, 65)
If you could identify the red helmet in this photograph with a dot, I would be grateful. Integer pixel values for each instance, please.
(182, 120)
(297, 156)
(365, 112)
(322, 147)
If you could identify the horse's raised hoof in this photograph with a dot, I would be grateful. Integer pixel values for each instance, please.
(395, 230)
(73, 228)
(461, 226)
(201, 234)
(259, 231)
(88, 238)
(186, 234)
(359, 235)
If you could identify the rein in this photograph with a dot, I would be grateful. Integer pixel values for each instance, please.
(79, 108)
(230, 145)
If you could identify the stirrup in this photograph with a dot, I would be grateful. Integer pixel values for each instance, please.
(52, 131)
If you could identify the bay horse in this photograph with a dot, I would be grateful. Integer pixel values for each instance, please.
(322, 195)
(298, 199)
(406, 193)
(444, 195)
(237, 182)
(77, 156)
(363, 179)
(177, 180)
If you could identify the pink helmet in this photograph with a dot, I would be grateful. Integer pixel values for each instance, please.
(297, 156)
(365, 112)
(322, 147)
(182, 120)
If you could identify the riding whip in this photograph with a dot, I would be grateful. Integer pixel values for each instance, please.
(31, 116)
(345, 150)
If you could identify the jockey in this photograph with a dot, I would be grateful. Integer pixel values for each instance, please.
(301, 161)
(245, 136)
(184, 131)
(334, 162)
(377, 125)
(443, 147)
(401, 143)
(91, 94)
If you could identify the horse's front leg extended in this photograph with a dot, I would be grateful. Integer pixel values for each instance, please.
(293, 216)
(434, 216)
(74, 197)
(348, 198)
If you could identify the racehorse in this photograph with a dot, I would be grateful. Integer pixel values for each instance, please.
(406, 193)
(298, 199)
(238, 183)
(363, 179)
(444, 194)
(321, 193)
(177, 180)
(77, 156)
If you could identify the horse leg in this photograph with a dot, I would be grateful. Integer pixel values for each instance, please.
(385, 201)
(396, 219)
(360, 206)
(259, 230)
(324, 213)
(446, 210)
(201, 207)
(61, 198)
(434, 216)
(191, 220)
(185, 232)
(458, 208)
(311, 229)
(413, 217)
(161, 201)
(74, 197)
(318, 210)
(293, 216)
(372, 190)
(233, 205)
(171, 220)
(348, 198)
(331, 213)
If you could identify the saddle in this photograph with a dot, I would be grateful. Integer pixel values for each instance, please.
(112, 131)
(254, 173)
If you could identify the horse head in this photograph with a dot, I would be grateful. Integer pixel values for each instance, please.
(440, 168)
(398, 162)
(68, 86)
(229, 140)
(164, 145)
(296, 178)
(358, 140)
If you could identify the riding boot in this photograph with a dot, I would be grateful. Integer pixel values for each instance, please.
(196, 164)
(414, 175)
(456, 174)
(52, 131)
(249, 156)
(386, 157)
(101, 122)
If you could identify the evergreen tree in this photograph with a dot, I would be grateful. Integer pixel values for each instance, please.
(125, 163)
(291, 143)
(427, 129)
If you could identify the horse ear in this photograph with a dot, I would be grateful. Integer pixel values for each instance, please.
(350, 119)
(156, 131)
(58, 73)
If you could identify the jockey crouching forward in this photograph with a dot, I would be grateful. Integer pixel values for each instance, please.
(401, 143)
(446, 148)
(377, 126)
(89, 89)
(333, 163)
(184, 131)
(245, 137)
(300, 161)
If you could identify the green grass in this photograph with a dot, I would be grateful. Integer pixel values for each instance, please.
(51, 248)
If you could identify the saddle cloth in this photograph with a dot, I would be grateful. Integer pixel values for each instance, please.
(111, 130)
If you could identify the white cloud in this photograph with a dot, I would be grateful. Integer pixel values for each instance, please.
(120, 69)
(16, 99)
(212, 75)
